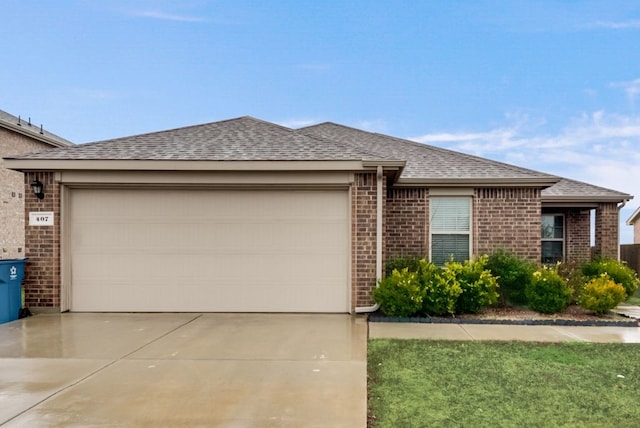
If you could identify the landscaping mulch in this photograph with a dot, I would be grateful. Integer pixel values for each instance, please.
(573, 316)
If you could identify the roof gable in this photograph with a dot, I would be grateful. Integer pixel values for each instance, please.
(16, 124)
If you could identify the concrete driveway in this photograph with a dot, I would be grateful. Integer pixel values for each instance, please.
(226, 370)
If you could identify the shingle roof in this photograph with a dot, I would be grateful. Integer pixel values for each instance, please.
(423, 161)
(250, 139)
(429, 162)
(26, 127)
(574, 190)
(241, 139)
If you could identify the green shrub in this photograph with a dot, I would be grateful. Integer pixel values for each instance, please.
(479, 286)
(601, 294)
(398, 263)
(572, 273)
(513, 273)
(441, 289)
(619, 272)
(548, 292)
(399, 294)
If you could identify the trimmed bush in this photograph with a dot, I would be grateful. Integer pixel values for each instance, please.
(619, 272)
(572, 273)
(513, 273)
(479, 286)
(601, 294)
(400, 294)
(441, 289)
(412, 263)
(548, 292)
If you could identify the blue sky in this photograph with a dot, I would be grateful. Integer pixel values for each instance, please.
(549, 85)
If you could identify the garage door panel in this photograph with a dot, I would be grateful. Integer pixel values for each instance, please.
(170, 250)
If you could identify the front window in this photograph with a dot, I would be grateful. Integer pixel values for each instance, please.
(552, 232)
(450, 222)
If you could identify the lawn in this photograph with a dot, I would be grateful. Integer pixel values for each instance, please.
(634, 299)
(417, 383)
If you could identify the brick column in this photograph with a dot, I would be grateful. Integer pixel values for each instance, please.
(607, 224)
(578, 235)
(42, 245)
(363, 238)
(406, 222)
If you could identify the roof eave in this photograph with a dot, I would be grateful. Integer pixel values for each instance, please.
(181, 165)
(478, 182)
(37, 136)
(634, 217)
(582, 199)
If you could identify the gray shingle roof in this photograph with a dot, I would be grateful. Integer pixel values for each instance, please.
(429, 162)
(573, 189)
(423, 161)
(24, 126)
(241, 139)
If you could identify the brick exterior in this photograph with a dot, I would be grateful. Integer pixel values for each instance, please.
(406, 226)
(12, 193)
(42, 272)
(363, 238)
(577, 235)
(607, 225)
(507, 218)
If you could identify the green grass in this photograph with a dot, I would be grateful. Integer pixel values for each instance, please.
(415, 383)
(634, 299)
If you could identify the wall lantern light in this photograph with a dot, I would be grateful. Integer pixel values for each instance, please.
(38, 188)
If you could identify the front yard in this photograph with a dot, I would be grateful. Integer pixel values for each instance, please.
(416, 383)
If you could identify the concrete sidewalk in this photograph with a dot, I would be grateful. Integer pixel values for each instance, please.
(496, 332)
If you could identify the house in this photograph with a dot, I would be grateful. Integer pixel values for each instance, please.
(634, 221)
(249, 216)
(18, 136)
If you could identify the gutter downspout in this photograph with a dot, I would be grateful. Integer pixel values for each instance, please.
(379, 196)
(620, 206)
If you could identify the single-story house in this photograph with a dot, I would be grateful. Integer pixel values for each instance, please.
(250, 216)
(634, 221)
(18, 136)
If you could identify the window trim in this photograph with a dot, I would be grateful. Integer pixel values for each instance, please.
(468, 233)
(562, 240)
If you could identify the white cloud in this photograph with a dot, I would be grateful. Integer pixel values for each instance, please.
(620, 25)
(597, 148)
(632, 88)
(156, 14)
(298, 123)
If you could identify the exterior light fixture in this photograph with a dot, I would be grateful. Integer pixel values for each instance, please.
(38, 188)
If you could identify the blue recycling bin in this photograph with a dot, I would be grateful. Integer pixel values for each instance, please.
(11, 276)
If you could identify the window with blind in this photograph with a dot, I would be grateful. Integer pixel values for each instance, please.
(450, 223)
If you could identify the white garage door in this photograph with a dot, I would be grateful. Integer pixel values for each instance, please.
(209, 250)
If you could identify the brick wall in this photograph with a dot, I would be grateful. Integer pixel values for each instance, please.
(12, 193)
(42, 246)
(363, 238)
(406, 222)
(577, 235)
(606, 239)
(507, 218)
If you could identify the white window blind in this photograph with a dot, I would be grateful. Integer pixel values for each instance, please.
(450, 222)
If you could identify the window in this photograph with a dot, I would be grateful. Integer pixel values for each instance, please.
(552, 232)
(450, 222)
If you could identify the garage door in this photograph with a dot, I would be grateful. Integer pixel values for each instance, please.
(209, 250)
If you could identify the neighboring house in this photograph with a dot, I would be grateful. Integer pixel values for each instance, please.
(249, 216)
(17, 136)
(634, 221)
